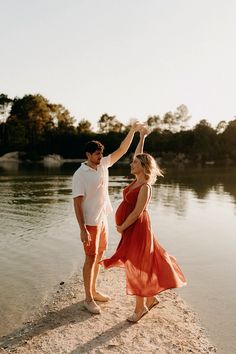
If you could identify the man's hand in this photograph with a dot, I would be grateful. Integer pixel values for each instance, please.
(136, 126)
(85, 237)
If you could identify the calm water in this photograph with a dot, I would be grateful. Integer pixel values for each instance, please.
(193, 213)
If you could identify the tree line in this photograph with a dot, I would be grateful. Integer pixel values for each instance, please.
(36, 127)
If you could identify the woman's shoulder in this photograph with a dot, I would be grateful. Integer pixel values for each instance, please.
(146, 186)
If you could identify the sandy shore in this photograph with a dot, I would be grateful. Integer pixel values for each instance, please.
(63, 326)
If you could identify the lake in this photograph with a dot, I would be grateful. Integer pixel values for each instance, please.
(193, 213)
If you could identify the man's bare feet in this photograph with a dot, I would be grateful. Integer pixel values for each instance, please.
(92, 307)
(101, 297)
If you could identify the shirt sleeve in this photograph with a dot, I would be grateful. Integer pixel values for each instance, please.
(78, 186)
(106, 161)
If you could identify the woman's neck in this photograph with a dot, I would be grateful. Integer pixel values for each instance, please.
(140, 179)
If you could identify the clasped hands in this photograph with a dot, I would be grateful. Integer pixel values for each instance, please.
(141, 128)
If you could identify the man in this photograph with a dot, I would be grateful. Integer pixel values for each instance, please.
(92, 204)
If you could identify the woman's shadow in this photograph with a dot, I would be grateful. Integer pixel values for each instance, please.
(74, 313)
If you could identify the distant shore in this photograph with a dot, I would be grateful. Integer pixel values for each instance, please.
(62, 325)
(55, 160)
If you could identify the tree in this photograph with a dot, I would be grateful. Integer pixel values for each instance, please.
(33, 120)
(61, 117)
(178, 120)
(108, 124)
(84, 126)
(229, 139)
(5, 107)
(154, 122)
(205, 141)
(32, 114)
(181, 117)
(220, 128)
(168, 120)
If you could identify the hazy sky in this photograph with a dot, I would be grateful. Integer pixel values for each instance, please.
(129, 58)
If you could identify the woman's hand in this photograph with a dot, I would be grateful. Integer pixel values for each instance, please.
(136, 126)
(119, 228)
(144, 130)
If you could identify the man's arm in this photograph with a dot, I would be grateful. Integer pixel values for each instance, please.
(116, 155)
(84, 234)
(143, 133)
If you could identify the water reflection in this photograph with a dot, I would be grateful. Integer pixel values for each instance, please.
(173, 190)
(39, 234)
(203, 181)
(28, 203)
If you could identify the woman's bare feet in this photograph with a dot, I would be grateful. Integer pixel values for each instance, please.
(151, 302)
(137, 315)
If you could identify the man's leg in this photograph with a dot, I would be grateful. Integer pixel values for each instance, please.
(102, 245)
(96, 272)
(88, 271)
(97, 295)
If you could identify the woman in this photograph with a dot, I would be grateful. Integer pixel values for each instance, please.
(149, 269)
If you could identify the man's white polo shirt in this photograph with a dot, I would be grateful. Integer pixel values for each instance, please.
(93, 185)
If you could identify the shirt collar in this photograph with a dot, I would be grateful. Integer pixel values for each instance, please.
(86, 167)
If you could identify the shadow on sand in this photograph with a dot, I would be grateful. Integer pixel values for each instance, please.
(101, 339)
(70, 314)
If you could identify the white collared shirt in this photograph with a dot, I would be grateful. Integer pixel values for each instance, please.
(93, 186)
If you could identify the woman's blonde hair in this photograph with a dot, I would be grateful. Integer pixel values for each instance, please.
(151, 169)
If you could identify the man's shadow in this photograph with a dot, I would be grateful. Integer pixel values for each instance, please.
(70, 314)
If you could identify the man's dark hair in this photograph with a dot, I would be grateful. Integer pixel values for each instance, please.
(93, 146)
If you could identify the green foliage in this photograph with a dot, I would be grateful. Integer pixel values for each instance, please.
(5, 106)
(38, 127)
(229, 140)
(108, 124)
(84, 126)
(171, 121)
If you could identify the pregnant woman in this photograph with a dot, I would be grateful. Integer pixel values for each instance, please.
(149, 268)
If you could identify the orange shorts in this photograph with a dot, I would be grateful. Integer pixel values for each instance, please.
(98, 241)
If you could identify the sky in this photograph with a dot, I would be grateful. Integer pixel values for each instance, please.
(128, 58)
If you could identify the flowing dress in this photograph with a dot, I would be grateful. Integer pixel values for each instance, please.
(148, 267)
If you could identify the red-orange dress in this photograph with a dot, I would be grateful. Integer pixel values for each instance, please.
(148, 267)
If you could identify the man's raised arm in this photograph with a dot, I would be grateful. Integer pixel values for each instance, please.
(124, 146)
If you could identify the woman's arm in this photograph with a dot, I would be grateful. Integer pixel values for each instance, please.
(141, 203)
(143, 133)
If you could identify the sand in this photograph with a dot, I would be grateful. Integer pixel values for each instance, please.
(62, 325)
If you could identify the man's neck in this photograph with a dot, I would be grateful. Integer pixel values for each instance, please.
(90, 164)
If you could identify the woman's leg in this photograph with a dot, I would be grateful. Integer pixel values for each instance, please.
(151, 302)
(139, 311)
(139, 307)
